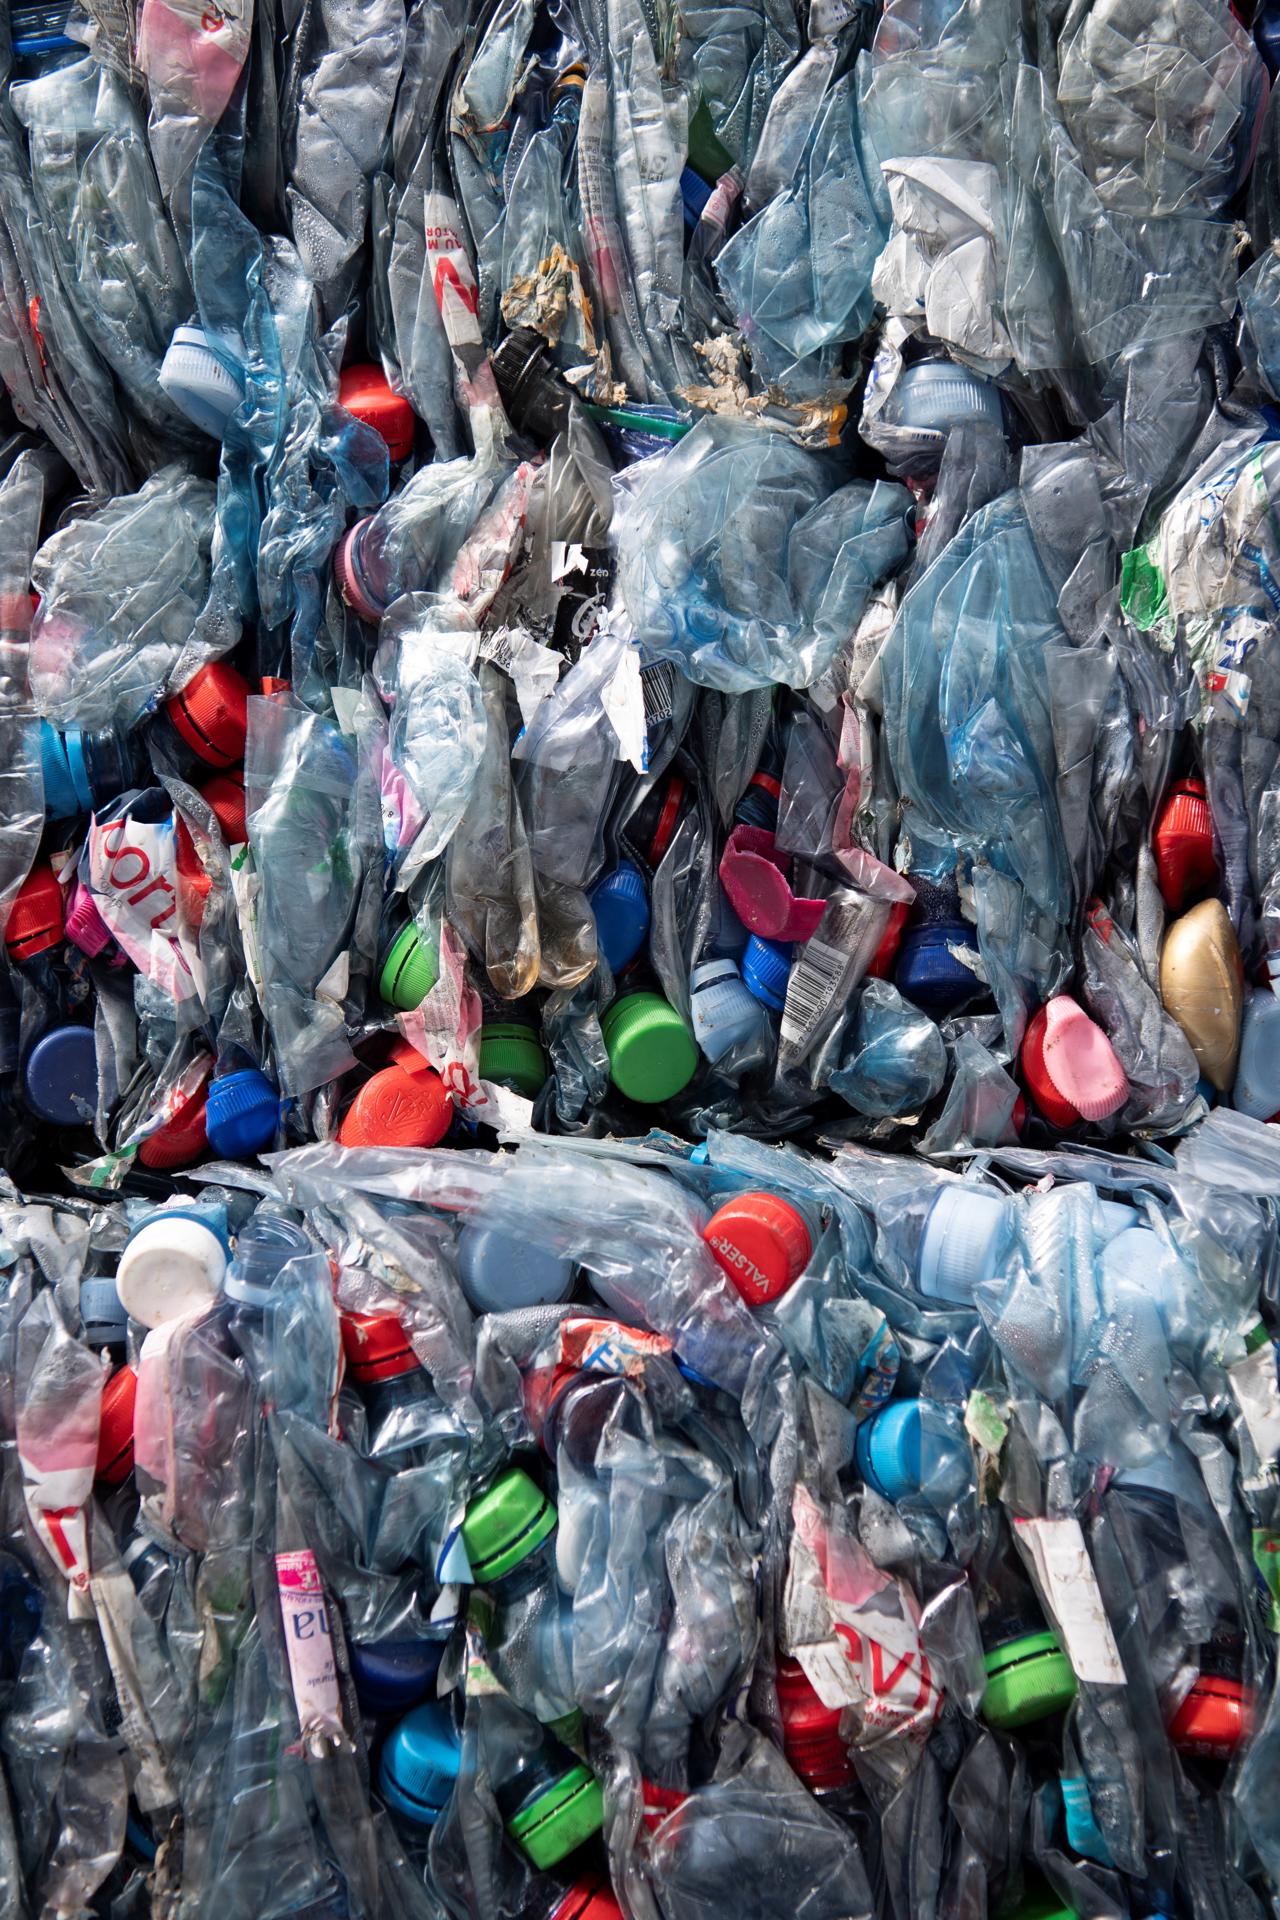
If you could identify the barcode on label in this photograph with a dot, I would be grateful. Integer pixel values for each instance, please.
(811, 988)
(658, 684)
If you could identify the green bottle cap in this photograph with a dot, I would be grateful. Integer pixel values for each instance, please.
(1049, 1908)
(512, 1056)
(565, 1814)
(1027, 1680)
(409, 971)
(505, 1524)
(652, 1056)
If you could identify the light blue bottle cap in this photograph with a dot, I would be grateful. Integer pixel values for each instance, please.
(106, 1323)
(722, 1007)
(766, 968)
(960, 1245)
(61, 1077)
(420, 1764)
(61, 801)
(937, 395)
(902, 1452)
(200, 381)
(620, 903)
(1115, 1218)
(499, 1272)
(1137, 1257)
(1257, 1086)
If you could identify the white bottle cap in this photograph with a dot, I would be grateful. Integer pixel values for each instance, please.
(172, 1266)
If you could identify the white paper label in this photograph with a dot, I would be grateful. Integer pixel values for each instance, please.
(1061, 1560)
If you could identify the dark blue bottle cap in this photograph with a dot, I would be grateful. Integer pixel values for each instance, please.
(106, 1324)
(392, 1675)
(62, 1077)
(241, 1113)
(620, 903)
(420, 1763)
(766, 968)
(927, 972)
(61, 801)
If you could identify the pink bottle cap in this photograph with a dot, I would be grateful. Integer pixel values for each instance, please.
(752, 873)
(1081, 1061)
(86, 927)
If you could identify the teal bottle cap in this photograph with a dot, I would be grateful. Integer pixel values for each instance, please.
(652, 1056)
(505, 1524)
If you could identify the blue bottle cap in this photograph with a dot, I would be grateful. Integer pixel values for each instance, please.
(499, 1272)
(905, 1450)
(62, 1077)
(766, 968)
(937, 395)
(392, 1675)
(61, 801)
(77, 753)
(241, 1113)
(620, 903)
(927, 972)
(960, 1242)
(266, 1244)
(420, 1763)
(106, 1323)
(722, 1007)
(201, 381)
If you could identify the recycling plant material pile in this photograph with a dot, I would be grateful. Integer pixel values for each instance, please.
(640, 1013)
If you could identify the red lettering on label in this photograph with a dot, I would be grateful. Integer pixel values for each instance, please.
(445, 270)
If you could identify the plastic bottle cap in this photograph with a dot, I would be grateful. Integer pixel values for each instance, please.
(346, 571)
(77, 751)
(409, 971)
(886, 954)
(560, 1818)
(505, 1524)
(36, 916)
(766, 968)
(115, 1427)
(889, 1449)
(377, 1347)
(264, 1247)
(928, 973)
(620, 903)
(242, 1113)
(723, 1010)
(658, 1802)
(1201, 984)
(365, 391)
(211, 714)
(511, 1056)
(105, 1321)
(226, 797)
(762, 1243)
(172, 1266)
(420, 1763)
(1213, 1718)
(61, 801)
(811, 1736)
(499, 1272)
(1027, 1679)
(962, 1230)
(587, 1900)
(1183, 845)
(652, 1056)
(199, 381)
(180, 1141)
(85, 926)
(61, 1077)
(935, 395)
(391, 1675)
(398, 1109)
(1070, 1065)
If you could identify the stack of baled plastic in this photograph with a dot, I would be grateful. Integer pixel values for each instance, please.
(640, 916)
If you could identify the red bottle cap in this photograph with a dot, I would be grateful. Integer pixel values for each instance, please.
(1183, 845)
(1214, 1718)
(1057, 1111)
(659, 1802)
(36, 916)
(588, 1899)
(180, 1141)
(762, 1243)
(811, 1737)
(225, 794)
(890, 940)
(211, 714)
(115, 1427)
(194, 883)
(365, 391)
(398, 1109)
(377, 1346)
